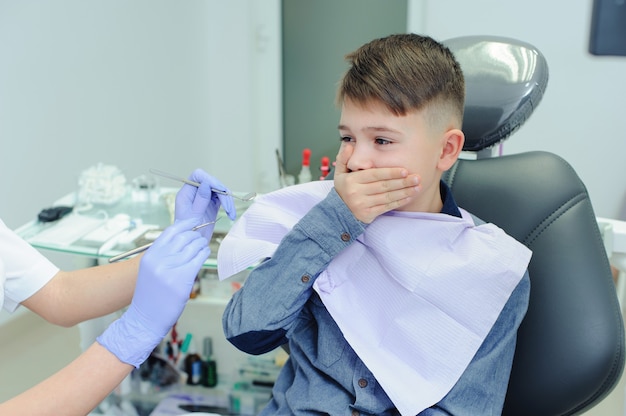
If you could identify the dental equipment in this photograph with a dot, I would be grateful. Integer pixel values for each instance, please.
(147, 246)
(247, 197)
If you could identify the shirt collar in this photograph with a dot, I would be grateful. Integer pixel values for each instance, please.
(449, 204)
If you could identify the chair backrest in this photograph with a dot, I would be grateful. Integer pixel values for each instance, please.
(570, 351)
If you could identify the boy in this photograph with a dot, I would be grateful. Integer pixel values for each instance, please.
(391, 298)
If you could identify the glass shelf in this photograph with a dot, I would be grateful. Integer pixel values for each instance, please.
(103, 231)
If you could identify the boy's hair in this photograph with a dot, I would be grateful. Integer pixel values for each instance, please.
(405, 72)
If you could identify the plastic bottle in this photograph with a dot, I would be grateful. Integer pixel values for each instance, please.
(192, 365)
(305, 171)
(325, 167)
(209, 366)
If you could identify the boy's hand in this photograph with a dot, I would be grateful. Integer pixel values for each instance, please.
(371, 192)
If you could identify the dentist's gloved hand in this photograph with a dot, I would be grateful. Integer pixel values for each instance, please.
(201, 203)
(166, 275)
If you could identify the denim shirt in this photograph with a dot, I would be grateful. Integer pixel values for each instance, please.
(277, 305)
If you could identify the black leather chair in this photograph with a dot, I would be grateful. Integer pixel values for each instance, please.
(570, 351)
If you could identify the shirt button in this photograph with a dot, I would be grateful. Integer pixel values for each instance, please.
(345, 237)
(362, 383)
(305, 278)
(355, 413)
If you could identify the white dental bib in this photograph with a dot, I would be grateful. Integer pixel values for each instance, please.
(427, 288)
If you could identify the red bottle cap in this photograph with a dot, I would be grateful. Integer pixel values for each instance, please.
(306, 157)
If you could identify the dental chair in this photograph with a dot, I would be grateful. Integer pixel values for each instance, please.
(570, 351)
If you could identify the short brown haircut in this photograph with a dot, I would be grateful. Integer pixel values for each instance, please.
(405, 72)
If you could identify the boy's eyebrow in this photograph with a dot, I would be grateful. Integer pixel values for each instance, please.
(371, 128)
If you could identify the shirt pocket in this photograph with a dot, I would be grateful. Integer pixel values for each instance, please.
(318, 336)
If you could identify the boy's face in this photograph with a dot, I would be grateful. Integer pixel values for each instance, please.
(380, 139)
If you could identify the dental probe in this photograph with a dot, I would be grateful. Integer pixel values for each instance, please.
(140, 249)
(247, 197)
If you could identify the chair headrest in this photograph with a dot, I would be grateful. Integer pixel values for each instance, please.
(504, 82)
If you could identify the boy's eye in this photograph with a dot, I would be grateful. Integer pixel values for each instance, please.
(345, 139)
(380, 140)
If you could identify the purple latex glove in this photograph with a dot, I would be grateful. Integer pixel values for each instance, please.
(166, 275)
(201, 203)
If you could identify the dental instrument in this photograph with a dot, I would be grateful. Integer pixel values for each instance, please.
(247, 197)
(147, 246)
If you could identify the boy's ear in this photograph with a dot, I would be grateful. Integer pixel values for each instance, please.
(453, 141)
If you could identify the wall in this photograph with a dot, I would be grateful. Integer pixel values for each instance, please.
(581, 116)
(316, 37)
(179, 85)
(139, 84)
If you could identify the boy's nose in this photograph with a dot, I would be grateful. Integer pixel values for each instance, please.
(360, 159)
